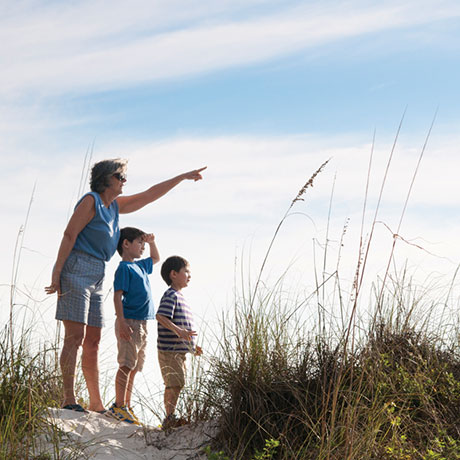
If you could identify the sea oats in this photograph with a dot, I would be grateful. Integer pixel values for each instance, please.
(309, 183)
(301, 192)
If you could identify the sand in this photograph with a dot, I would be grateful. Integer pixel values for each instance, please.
(101, 437)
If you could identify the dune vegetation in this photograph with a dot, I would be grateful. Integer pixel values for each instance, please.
(384, 386)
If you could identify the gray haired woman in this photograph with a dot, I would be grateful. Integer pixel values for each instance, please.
(90, 239)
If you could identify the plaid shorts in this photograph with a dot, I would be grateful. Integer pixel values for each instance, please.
(81, 290)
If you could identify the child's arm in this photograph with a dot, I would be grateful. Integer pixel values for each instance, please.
(149, 238)
(184, 334)
(124, 329)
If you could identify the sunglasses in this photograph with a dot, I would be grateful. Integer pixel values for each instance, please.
(120, 176)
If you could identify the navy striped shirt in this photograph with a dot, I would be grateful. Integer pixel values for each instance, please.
(174, 307)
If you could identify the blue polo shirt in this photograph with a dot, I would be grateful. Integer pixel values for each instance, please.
(132, 278)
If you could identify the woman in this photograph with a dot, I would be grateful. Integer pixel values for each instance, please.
(89, 241)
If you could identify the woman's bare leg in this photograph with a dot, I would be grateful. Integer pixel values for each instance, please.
(90, 366)
(73, 339)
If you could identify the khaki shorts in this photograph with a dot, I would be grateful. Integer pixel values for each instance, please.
(172, 367)
(131, 353)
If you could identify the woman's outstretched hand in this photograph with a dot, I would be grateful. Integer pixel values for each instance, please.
(194, 175)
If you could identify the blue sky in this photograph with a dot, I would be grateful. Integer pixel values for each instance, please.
(253, 67)
(260, 91)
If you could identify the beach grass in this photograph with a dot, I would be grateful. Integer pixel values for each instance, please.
(392, 394)
(378, 381)
(29, 384)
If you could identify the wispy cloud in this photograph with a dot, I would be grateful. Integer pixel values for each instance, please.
(245, 173)
(98, 45)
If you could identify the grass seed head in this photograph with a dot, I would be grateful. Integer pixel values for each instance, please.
(309, 183)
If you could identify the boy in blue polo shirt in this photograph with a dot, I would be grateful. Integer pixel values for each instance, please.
(133, 307)
(176, 335)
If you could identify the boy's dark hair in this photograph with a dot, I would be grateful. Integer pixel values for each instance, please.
(172, 263)
(130, 234)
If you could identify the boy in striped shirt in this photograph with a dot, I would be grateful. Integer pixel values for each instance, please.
(176, 334)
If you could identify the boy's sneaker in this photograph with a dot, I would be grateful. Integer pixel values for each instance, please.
(133, 415)
(122, 414)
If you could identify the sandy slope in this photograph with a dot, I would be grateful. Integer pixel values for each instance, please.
(101, 437)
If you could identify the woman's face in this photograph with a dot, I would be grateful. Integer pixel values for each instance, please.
(117, 181)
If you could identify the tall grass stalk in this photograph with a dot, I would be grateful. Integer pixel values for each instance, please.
(403, 212)
(299, 197)
(15, 266)
(360, 269)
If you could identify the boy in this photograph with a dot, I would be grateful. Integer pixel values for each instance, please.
(176, 335)
(133, 307)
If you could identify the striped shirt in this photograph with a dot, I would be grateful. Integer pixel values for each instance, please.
(174, 307)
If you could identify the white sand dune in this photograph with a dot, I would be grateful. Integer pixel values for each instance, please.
(101, 437)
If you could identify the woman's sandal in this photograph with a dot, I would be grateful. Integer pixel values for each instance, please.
(76, 408)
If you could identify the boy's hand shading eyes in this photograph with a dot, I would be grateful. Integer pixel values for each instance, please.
(149, 238)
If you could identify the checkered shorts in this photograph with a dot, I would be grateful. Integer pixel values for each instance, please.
(81, 290)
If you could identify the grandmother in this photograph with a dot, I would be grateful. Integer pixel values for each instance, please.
(90, 239)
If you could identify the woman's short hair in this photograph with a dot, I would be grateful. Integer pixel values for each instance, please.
(103, 170)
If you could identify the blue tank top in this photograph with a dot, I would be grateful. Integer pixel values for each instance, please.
(100, 236)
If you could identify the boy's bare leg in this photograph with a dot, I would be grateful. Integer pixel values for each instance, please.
(90, 366)
(73, 339)
(129, 388)
(170, 399)
(121, 385)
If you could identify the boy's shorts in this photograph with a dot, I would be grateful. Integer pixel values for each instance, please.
(81, 296)
(173, 370)
(131, 353)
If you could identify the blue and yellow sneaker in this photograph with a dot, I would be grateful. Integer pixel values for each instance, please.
(133, 415)
(122, 413)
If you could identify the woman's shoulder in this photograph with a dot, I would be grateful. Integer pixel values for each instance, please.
(85, 206)
(90, 197)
